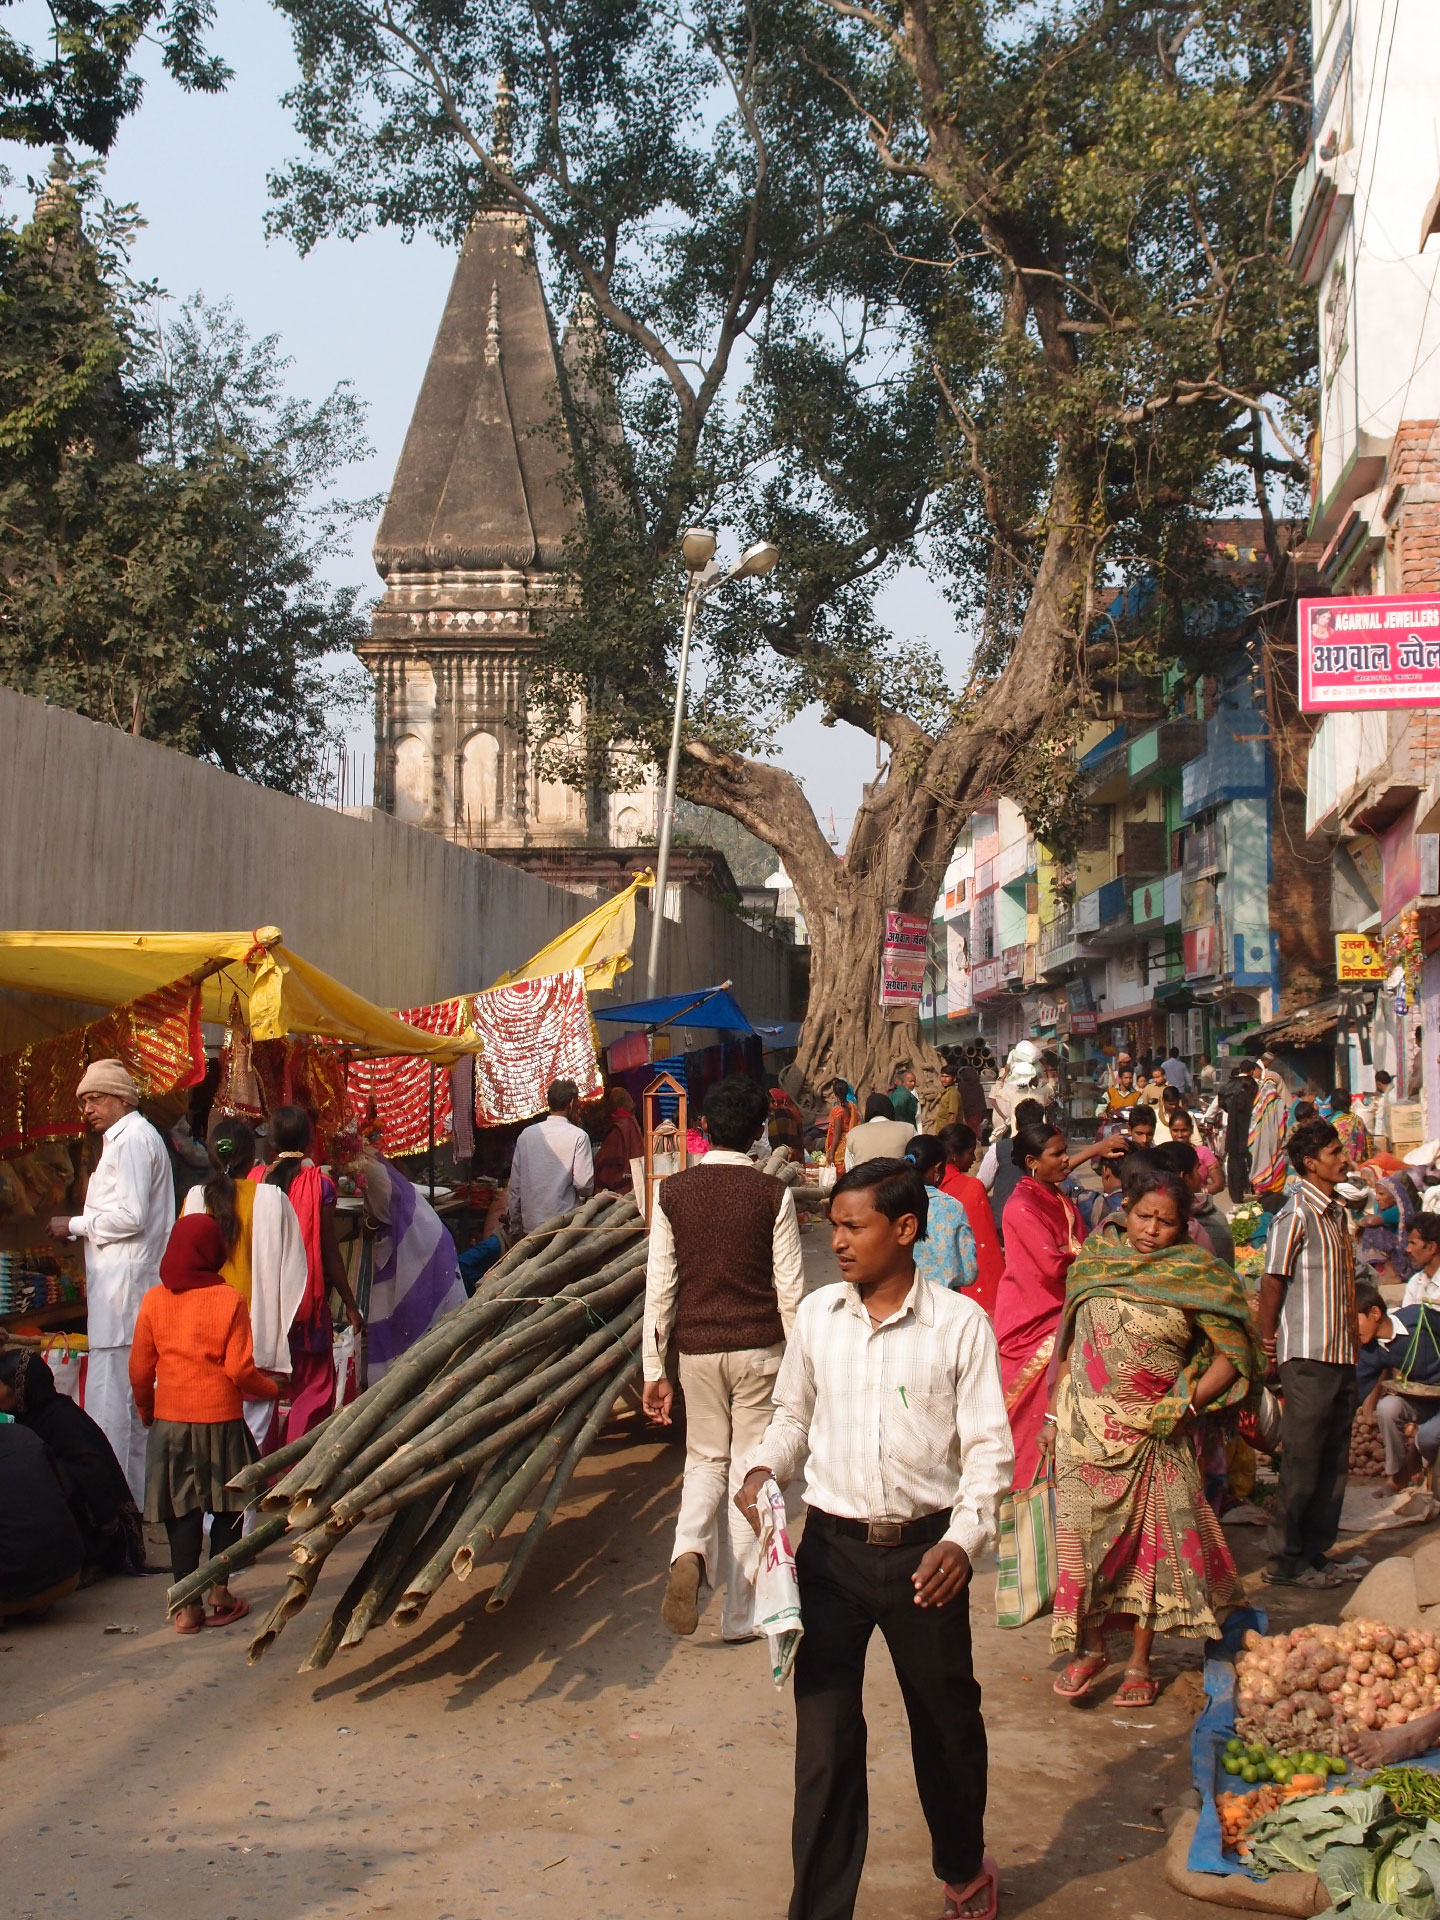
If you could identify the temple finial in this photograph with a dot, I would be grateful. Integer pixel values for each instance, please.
(492, 328)
(502, 142)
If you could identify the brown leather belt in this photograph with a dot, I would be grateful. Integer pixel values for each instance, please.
(884, 1533)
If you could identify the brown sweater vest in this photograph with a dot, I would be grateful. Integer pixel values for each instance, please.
(723, 1220)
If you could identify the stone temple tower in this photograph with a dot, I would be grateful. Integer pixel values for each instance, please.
(468, 547)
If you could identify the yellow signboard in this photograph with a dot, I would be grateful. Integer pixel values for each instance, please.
(1358, 958)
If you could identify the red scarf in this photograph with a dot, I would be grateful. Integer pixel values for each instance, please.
(194, 1254)
(305, 1197)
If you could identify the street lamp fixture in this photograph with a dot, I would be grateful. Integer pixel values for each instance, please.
(697, 549)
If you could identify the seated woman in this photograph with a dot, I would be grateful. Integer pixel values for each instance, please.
(99, 1494)
(41, 1552)
(1154, 1330)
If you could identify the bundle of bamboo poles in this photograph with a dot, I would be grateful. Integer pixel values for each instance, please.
(445, 1449)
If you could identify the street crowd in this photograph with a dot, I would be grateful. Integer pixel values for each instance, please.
(1015, 1310)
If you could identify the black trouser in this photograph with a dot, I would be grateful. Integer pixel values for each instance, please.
(847, 1589)
(1237, 1173)
(1318, 1414)
(187, 1535)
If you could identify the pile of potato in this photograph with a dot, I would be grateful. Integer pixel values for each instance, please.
(1367, 1451)
(1299, 1690)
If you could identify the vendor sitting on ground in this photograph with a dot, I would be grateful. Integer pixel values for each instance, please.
(1399, 1343)
(98, 1492)
(41, 1551)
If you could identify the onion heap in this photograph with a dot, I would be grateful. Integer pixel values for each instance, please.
(1300, 1690)
(1367, 1449)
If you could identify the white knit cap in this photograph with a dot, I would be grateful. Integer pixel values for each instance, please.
(109, 1076)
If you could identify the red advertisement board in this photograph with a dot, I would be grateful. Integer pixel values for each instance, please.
(902, 969)
(1362, 654)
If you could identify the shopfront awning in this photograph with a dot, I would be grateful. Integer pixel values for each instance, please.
(280, 994)
(712, 1007)
(1304, 1027)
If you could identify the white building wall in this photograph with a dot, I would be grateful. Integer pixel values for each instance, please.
(1378, 135)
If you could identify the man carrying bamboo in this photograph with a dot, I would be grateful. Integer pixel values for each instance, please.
(725, 1277)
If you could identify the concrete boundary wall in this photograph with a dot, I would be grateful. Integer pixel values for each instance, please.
(107, 832)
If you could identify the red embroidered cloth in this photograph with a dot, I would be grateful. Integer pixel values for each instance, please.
(392, 1097)
(157, 1037)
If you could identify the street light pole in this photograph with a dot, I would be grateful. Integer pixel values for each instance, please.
(667, 810)
(697, 546)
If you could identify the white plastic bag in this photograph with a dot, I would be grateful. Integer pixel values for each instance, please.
(777, 1591)
(69, 1364)
(347, 1366)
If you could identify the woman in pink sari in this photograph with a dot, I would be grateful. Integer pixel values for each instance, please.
(1043, 1234)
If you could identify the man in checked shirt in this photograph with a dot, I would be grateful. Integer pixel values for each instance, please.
(889, 1395)
(1307, 1328)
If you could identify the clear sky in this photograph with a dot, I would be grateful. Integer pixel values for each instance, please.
(364, 310)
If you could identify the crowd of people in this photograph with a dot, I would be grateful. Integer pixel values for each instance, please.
(210, 1336)
(1013, 1305)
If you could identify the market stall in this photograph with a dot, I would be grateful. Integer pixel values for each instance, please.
(285, 1022)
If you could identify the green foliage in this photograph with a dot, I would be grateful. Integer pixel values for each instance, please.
(165, 509)
(996, 286)
(80, 87)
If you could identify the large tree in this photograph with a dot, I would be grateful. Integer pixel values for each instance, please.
(78, 84)
(997, 283)
(167, 512)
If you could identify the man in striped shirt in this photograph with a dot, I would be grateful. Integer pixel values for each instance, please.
(1307, 1328)
(891, 1386)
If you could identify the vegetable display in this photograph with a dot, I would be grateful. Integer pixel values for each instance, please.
(1299, 1691)
(1374, 1862)
(1367, 1449)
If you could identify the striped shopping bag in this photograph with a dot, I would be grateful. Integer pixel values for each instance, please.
(1025, 1583)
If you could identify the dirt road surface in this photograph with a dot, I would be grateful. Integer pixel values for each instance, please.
(564, 1757)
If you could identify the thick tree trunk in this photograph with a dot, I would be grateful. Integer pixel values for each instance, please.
(908, 823)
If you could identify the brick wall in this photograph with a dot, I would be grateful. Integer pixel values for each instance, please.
(1413, 561)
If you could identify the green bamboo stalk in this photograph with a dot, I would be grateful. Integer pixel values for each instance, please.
(400, 1539)
(357, 1423)
(479, 1543)
(328, 1642)
(601, 1409)
(432, 1574)
(248, 1548)
(430, 1447)
(284, 1457)
(528, 1423)
(447, 1397)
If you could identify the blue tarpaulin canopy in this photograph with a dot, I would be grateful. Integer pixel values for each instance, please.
(712, 1007)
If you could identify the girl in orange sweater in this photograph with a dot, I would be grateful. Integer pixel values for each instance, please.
(191, 1366)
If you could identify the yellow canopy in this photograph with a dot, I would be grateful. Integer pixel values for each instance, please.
(600, 943)
(280, 993)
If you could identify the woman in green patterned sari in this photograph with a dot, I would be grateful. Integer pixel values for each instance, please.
(1154, 1330)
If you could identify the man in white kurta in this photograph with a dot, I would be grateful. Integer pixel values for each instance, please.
(129, 1211)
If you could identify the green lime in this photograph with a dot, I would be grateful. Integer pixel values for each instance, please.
(1249, 1773)
(1338, 1766)
(1232, 1763)
(1235, 1745)
(1255, 1753)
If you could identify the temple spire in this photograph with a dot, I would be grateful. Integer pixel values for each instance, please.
(492, 328)
(502, 140)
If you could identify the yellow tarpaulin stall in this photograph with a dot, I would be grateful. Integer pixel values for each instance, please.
(280, 993)
(600, 943)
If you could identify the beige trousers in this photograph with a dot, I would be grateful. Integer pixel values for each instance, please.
(729, 1398)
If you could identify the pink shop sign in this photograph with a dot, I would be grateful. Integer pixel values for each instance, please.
(1363, 654)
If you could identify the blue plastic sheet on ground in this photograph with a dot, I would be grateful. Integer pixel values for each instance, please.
(1215, 1726)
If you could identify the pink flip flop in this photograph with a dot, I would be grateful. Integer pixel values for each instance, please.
(227, 1616)
(955, 1897)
